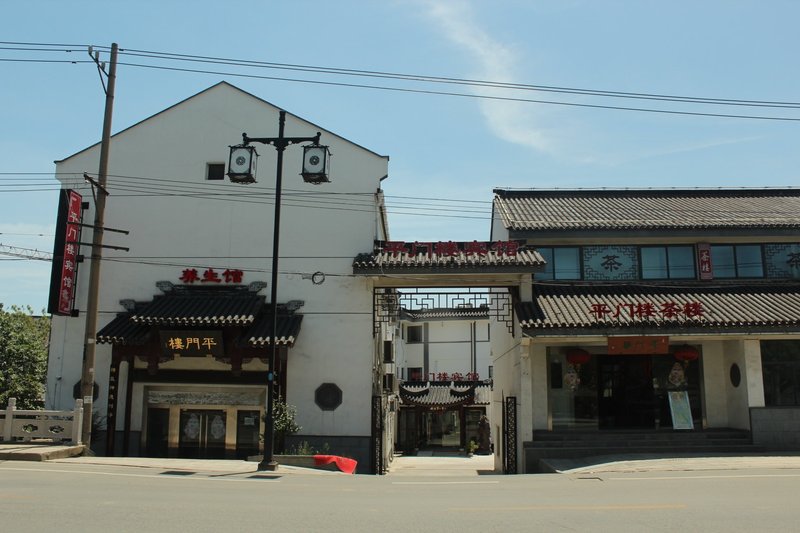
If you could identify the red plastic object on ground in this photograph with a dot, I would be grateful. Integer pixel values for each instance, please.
(345, 464)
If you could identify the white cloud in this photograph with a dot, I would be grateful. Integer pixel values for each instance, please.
(515, 122)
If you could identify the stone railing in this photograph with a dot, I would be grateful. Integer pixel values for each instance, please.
(26, 425)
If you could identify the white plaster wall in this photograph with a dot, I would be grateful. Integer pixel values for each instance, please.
(448, 347)
(737, 397)
(715, 384)
(166, 155)
(410, 356)
(506, 382)
(539, 387)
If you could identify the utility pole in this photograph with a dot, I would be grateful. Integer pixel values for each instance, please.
(88, 373)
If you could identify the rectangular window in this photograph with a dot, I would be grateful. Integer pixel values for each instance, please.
(215, 171)
(415, 373)
(667, 262)
(388, 352)
(780, 362)
(562, 263)
(413, 334)
(737, 261)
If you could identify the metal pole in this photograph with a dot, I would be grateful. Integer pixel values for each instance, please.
(268, 462)
(88, 373)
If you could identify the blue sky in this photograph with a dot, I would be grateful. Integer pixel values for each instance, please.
(441, 147)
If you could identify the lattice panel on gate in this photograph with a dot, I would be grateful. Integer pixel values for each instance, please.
(388, 303)
(510, 435)
(377, 435)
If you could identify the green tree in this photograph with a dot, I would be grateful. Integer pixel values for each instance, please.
(23, 356)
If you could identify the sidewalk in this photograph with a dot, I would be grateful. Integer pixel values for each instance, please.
(73, 455)
(418, 465)
(650, 463)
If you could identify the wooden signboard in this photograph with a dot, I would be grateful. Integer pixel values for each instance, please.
(681, 410)
(638, 345)
(192, 343)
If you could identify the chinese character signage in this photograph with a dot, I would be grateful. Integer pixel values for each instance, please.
(65, 253)
(610, 262)
(704, 261)
(455, 376)
(638, 345)
(449, 248)
(192, 343)
(211, 275)
(625, 311)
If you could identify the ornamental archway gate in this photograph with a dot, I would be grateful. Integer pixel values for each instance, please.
(441, 281)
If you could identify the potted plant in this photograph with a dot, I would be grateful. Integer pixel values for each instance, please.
(471, 447)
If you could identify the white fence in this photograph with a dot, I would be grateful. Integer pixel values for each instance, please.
(24, 426)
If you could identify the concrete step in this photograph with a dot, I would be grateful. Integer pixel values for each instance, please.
(661, 451)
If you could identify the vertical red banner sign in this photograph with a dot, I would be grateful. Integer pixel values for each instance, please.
(704, 261)
(66, 291)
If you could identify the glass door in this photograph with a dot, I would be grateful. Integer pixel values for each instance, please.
(202, 434)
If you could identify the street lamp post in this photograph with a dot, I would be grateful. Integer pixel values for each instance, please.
(241, 169)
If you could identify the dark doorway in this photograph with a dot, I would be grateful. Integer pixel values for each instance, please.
(626, 397)
(157, 432)
(202, 434)
(247, 433)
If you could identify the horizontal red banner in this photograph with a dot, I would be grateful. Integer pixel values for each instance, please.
(638, 345)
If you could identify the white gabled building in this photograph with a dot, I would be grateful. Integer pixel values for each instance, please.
(184, 326)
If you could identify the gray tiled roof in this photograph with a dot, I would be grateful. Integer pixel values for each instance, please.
(199, 308)
(444, 313)
(123, 331)
(444, 394)
(193, 308)
(575, 210)
(260, 334)
(752, 307)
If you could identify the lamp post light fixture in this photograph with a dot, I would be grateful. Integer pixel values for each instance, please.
(242, 169)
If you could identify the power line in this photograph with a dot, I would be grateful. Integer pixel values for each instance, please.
(459, 81)
(454, 81)
(264, 198)
(464, 95)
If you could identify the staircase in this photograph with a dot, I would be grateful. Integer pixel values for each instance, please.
(581, 444)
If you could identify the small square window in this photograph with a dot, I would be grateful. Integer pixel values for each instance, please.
(413, 334)
(215, 171)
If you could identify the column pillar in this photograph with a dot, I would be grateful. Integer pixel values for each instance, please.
(525, 418)
(753, 373)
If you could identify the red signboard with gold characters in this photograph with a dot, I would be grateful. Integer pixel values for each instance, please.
(638, 345)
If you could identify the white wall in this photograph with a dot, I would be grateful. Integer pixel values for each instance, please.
(715, 384)
(232, 227)
(449, 344)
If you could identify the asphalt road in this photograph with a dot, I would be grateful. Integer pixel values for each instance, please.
(87, 498)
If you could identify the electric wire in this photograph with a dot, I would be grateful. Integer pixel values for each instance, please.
(439, 80)
(465, 95)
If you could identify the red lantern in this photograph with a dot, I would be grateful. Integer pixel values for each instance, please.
(685, 354)
(578, 356)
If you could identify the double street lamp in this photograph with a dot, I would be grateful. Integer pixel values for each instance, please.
(242, 169)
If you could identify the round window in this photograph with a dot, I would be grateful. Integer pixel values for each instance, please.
(736, 375)
(328, 396)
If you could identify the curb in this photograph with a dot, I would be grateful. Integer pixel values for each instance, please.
(30, 453)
